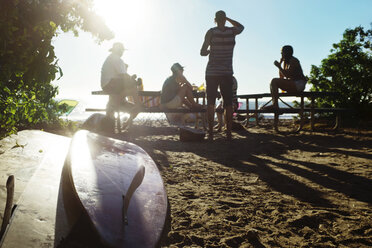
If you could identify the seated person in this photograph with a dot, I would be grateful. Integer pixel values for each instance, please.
(291, 78)
(177, 91)
(118, 83)
(219, 109)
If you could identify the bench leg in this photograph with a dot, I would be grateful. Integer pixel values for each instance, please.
(338, 120)
(247, 114)
(256, 114)
(276, 121)
(312, 117)
(301, 114)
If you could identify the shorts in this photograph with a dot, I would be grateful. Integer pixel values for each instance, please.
(300, 85)
(225, 82)
(118, 85)
(176, 102)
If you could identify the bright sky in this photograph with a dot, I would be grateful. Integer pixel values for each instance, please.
(158, 33)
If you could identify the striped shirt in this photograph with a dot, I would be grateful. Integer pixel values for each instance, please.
(222, 45)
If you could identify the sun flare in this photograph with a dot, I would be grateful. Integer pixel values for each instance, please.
(124, 17)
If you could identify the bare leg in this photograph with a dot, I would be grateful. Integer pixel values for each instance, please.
(220, 121)
(136, 108)
(228, 118)
(114, 101)
(186, 94)
(190, 97)
(281, 83)
(210, 114)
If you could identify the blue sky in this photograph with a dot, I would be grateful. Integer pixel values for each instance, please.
(158, 33)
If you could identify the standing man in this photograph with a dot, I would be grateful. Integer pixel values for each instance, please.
(118, 84)
(219, 72)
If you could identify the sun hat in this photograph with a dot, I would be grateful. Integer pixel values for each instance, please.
(117, 46)
(176, 67)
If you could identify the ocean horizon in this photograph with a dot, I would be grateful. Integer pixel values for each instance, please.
(80, 115)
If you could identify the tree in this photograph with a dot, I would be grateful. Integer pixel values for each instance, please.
(347, 71)
(28, 63)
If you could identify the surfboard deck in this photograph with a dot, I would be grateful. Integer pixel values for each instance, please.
(101, 170)
(39, 219)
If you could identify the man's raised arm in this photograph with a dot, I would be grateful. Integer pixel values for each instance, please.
(239, 27)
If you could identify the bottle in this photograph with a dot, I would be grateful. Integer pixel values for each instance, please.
(201, 87)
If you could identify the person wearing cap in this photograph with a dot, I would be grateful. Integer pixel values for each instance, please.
(219, 72)
(118, 84)
(177, 91)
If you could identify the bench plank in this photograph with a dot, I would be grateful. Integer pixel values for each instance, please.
(153, 110)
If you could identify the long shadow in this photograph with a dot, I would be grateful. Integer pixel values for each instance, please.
(354, 186)
(285, 184)
(319, 143)
(273, 145)
(232, 158)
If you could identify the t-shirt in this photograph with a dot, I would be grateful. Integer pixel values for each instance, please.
(222, 45)
(294, 70)
(112, 68)
(169, 90)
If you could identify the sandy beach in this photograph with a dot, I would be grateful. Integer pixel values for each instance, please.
(263, 189)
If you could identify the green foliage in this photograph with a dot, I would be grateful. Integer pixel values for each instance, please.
(28, 63)
(347, 71)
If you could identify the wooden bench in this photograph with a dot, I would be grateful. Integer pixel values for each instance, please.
(157, 109)
(301, 110)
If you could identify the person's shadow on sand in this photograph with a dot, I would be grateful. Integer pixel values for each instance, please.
(272, 147)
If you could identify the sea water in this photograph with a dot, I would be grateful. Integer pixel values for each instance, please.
(80, 115)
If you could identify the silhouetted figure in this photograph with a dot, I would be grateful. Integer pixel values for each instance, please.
(177, 90)
(219, 72)
(291, 77)
(219, 109)
(116, 82)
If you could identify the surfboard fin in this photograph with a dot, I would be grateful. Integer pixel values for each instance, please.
(8, 205)
(136, 182)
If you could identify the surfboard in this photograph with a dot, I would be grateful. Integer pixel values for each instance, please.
(119, 187)
(38, 217)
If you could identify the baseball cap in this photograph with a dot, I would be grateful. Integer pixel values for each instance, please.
(176, 67)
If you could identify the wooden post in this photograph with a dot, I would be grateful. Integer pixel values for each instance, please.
(312, 121)
(338, 120)
(247, 108)
(256, 114)
(301, 113)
